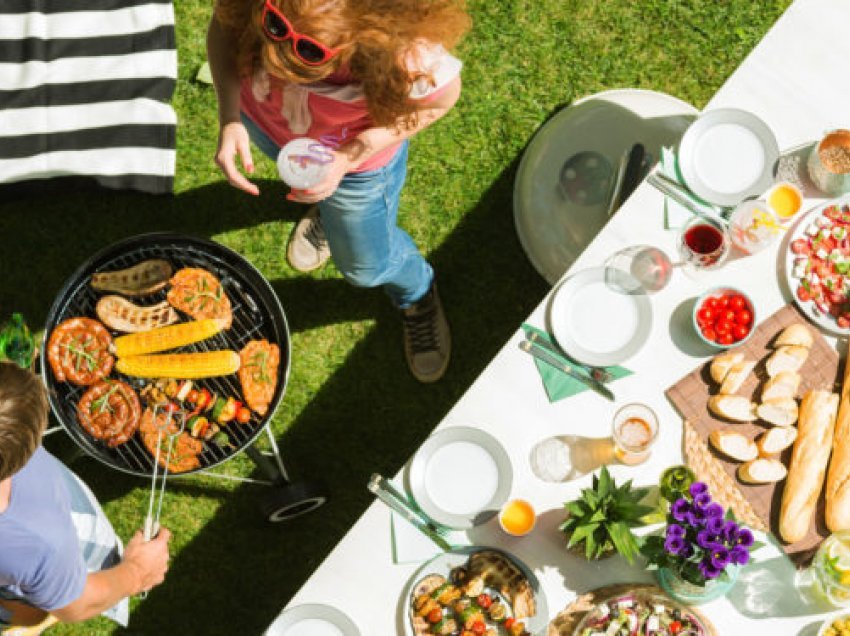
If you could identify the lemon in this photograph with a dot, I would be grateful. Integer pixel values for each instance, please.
(839, 551)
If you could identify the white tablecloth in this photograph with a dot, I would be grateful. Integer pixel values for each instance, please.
(795, 80)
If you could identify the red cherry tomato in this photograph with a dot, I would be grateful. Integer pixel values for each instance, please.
(744, 317)
(723, 302)
(435, 615)
(832, 212)
(484, 601)
(725, 339)
(479, 628)
(711, 303)
(675, 627)
(803, 294)
(801, 246)
(737, 303)
(710, 334)
(843, 322)
(723, 327)
(728, 315)
(243, 415)
(739, 332)
(509, 622)
(706, 314)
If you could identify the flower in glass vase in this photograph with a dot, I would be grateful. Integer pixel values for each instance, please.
(701, 549)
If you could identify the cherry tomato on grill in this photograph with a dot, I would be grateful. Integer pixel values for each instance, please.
(509, 622)
(171, 407)
(243, 415)
(192, 396)
(435, 615)
(744, 317)
(478, 628)
(737, 303)
(725, 339)
(484, 601)
(739, 332)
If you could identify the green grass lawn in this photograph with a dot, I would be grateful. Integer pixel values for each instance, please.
(351, 408)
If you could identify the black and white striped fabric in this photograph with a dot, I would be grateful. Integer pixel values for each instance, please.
(84, 86)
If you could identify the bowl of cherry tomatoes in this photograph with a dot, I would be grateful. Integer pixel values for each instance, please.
(724, 316)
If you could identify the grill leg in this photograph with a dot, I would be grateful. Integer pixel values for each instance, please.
(266, 465)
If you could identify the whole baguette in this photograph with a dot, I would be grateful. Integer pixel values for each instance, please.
(808, 464)
(838, 478)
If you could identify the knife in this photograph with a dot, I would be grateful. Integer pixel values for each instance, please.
(597, 373)
(548, 358)
(388, 486)
(376, 487)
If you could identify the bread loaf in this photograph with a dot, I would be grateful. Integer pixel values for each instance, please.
(796, 335)
(721, 365)
(838, 478)
(736, 376)
(783, 385)
(787, 358)
(733, 407)
(762, 471)
(781, 412)
(734, 445)
(776, 440)
(808, 464)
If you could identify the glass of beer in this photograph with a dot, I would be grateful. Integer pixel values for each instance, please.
(634, 431)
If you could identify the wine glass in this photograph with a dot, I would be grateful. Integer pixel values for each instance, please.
(649, 268)
(704, 243)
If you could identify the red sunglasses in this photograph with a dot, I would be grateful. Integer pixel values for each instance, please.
(306, 49)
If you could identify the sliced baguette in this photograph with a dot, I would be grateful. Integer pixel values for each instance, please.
(784, 384)
(733, 407)
(781, 412)
(776, 440)
(762, 471)
(734, 445)
(837, 489)
(795, 335)
(722, 364)
(789, 358)
(736, 377)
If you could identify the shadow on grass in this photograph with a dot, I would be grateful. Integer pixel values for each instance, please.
(240, 570)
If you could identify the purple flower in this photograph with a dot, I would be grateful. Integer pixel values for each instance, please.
(674, 545)
(680, 508)
(706, 539)
(674, 530)
(695, 517)
(708, 569)
(740, 555)
(702, 500)
(744, 537)
(719, 556)
(687, 552)
(730, 530)
(697, 488)
(714, 510)
(715, 525)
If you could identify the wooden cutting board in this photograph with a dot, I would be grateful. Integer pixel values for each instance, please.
(690, 397)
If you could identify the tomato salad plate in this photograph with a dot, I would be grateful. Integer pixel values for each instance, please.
(817, 265)
(474, 591)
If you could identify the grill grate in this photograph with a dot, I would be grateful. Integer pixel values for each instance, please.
(256, 314)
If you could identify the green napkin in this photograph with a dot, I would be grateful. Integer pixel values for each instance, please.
(558, 384)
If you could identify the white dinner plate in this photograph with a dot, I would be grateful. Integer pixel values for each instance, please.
(824, 321)
(460, 477)
(312, 620)
(596, 321)
(555, 229)
(728, 155)
(443, 564)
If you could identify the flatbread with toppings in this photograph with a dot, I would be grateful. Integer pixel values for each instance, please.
(78, 351)
(110, 411)
(198, 293)
(185, 451)
(258, 374)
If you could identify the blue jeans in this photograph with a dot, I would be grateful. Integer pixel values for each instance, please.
(360, 221)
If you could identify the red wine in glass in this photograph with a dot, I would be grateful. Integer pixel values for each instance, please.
(704, 244)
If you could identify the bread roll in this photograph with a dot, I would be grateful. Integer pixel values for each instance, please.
(784, 384)
(721, 365)
(736, 376)
(796, 335)
(734, 445)
(808, 464)
(789, 358)
(776, 440)
(762, 471)
(781, 412)
(733, 407)
(838, 478)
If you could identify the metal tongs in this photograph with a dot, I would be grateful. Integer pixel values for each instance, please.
(399, 503)
(151, 527)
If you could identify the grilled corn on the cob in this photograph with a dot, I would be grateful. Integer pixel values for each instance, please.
(165, 338)
(187, 366)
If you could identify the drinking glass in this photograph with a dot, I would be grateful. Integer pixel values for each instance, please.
(650, 269)
(828, 578)
(704, 243)
(753, 226)
(635, 429)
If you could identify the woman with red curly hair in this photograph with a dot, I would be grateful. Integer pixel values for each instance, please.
(362, 76)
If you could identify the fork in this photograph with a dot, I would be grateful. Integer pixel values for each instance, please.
(597, 373)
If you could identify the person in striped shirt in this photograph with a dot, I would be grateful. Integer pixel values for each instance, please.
(362, 77)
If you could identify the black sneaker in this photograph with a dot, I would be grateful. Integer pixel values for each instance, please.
(427, 339)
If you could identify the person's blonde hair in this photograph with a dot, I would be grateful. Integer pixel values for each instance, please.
(375, 38)
(23, 417)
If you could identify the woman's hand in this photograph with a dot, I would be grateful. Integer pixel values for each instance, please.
(327, 186)
(233, 140)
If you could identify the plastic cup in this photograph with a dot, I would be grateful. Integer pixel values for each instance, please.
(517, 517)
(303, 163)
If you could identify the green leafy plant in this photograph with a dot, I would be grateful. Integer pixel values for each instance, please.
(603, 517)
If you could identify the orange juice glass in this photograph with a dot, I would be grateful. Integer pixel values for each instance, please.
(785, 200)
(517, 517)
